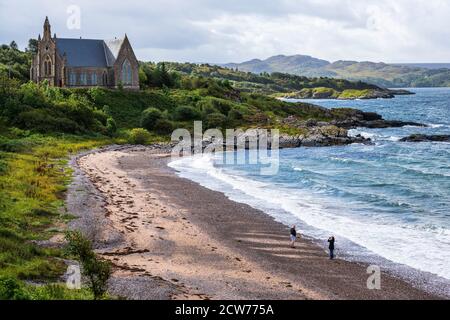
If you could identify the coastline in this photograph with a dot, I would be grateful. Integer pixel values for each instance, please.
(158, 230)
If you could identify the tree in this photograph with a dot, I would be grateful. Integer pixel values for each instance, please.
(149, 118)
(96, 270)
(13, 45)
(185, 113)
(32, 46)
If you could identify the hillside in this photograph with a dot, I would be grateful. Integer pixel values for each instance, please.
(286, 85)
(380, 74)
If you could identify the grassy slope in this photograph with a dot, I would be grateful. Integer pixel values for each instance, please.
(34, 176)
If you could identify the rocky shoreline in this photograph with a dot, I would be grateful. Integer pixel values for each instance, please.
(335, 132)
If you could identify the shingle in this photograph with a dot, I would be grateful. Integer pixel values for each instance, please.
(83, 52)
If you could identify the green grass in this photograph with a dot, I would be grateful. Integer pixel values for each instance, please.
(354, 94)
(33, 181)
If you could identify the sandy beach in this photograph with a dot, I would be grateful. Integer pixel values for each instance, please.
(170, 238)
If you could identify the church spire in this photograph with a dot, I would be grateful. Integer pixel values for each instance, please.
(47, 29)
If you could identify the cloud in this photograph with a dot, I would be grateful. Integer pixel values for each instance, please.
(236, 30)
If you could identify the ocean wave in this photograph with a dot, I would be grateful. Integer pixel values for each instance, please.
(421, 248)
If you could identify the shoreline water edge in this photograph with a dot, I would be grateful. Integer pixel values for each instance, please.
(137, 278)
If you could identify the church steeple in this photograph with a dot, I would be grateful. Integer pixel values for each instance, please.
(47, 29)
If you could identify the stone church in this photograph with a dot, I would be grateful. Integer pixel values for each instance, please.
(87, 63)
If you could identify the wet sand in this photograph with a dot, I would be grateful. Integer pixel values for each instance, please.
(170, 238)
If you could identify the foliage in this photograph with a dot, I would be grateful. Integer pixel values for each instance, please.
(15, 63)
(149, 118)
(216, 120)
(111, 127)
(186, 113)
(96, 270)
(139, 136)
(164, 126)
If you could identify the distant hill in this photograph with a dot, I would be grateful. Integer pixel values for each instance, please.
(380, 74)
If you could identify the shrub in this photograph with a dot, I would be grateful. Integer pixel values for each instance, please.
(96, 270)
(111, 127)
(149, 118)
(164, 126)
(12, 289)
(215, 120)
(216, 104)
(235, 114)
(139, 136)
(186, 113)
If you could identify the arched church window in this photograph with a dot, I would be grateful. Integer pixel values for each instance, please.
(48, 66)
(126, 72)
(83, 79)
(94, 79)
(105, 79)
(72, 79)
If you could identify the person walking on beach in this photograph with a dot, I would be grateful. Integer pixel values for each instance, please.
(331, 241)
(293, 236)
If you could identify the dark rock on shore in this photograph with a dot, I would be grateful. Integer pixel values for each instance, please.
(356, 118)
(426, 138)
(401, 92)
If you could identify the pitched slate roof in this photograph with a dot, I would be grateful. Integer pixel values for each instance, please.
(89, 52)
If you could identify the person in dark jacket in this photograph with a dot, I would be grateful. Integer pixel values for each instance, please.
(293, 236)
(331, 241)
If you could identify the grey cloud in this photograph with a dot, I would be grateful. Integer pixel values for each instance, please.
(234, 30)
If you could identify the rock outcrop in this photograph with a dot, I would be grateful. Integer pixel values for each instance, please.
(426, 138)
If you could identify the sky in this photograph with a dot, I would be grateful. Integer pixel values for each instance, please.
(220, 31)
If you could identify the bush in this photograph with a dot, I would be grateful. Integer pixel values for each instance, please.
(235, 114)
(96, 270)
(164, 126)
(211, 105)
(139, 136)
(149, 118)
(12, 289)
(215, 120)
(186, 113)
(111, 127)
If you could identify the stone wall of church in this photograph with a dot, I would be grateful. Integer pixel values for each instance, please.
(88, 77)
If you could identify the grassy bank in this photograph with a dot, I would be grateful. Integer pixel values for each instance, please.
(34, 176)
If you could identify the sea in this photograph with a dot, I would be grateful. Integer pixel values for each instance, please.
(387, 203)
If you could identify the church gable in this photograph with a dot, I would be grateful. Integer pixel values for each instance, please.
(127, 65)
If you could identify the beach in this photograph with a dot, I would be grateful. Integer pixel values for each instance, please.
(170, 238)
